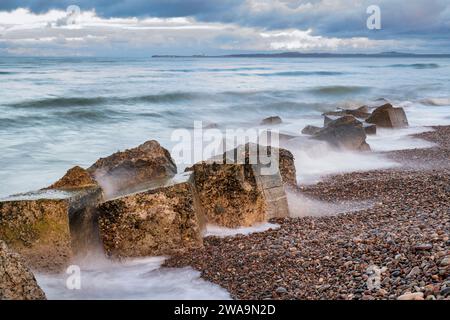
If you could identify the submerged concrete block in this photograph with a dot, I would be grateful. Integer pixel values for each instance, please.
(387, 116)
(271, 120)
(370, 129)
(359, 113)
(345, 133)
(310, 130)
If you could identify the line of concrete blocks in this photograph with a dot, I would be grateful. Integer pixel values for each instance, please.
(157, 216)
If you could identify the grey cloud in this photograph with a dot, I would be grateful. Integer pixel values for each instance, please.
(128, 8)
(330, 17)
(417, 21)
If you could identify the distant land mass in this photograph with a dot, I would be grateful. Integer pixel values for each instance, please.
(392, 54)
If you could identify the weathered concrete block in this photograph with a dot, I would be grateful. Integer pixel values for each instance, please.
(159, 219)
(370, 129)
(240, 189)
(129, 168)
(360, 113)
(229, 194)
(346, 133)
(327, 119)
(387, 116)
(75, 178)
(274, 194)
(287, 167)
(271, 120)
(37, 225)
(310, 130)
(17, 282)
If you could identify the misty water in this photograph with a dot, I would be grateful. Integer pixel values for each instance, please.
(59, 112)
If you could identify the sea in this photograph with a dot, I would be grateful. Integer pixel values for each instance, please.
(56, 113)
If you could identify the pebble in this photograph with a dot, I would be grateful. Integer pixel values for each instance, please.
(382, 292)
(423, 247)
(445, 292)
(324, 287)
(445, 262)
(414, 271)
(395, 273)
(411, 296)
(281, 290)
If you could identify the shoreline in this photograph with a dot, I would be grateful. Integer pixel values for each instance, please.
(406, 232)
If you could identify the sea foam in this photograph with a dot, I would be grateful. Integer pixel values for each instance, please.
(132, 279)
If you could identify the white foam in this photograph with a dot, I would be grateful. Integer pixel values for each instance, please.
(398, 139)
(420, 115)
(303, 206)
(133, 279)
(315, 160)
(443, 101)
(213, 230)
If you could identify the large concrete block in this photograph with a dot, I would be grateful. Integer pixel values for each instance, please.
(229, 194)
(240, 189)
(132, 167)
(37, 225)
(346, 133)
(387, 116)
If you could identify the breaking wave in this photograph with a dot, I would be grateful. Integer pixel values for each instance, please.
(96, 115)
(295, 106)
(94, 101)
(301, 73)
(436, 101)
(416, 66)
(279, 96)
(339, 90)
(21, 122)
(165, 97)
(215, 69)
(59, 102)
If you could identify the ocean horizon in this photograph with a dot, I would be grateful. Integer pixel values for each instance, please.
(61, 112)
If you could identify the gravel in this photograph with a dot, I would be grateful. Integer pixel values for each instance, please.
(398, 248)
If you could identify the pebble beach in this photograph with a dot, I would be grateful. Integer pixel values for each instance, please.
(404, 236)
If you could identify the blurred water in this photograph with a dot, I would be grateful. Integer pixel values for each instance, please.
(59, 112)
(142, 279)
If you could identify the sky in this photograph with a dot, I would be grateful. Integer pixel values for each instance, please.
(186, 27)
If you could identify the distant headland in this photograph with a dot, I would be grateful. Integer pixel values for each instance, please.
(391, 54)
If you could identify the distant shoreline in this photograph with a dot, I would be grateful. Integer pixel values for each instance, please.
(312, 55)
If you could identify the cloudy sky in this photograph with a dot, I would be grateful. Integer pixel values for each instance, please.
(145, 27)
